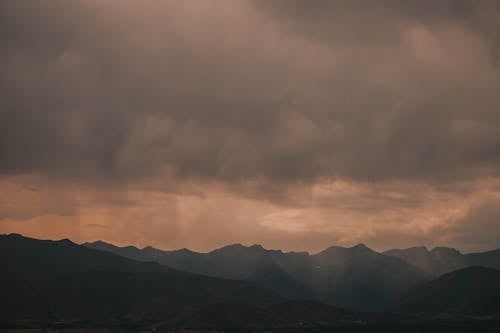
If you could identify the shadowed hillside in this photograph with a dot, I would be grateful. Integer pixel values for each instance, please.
(472, 291)
(357, 277)
(62, 284)
(58, 280)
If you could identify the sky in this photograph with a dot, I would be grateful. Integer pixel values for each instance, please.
(292, 124)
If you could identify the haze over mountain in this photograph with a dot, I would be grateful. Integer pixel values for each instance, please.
(356, 277)
(442, 260)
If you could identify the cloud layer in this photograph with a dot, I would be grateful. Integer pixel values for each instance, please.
(389, 102)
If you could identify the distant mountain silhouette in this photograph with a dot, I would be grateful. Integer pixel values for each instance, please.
(357, 278)
(361, 278)
(489, 259)
(472, 291)
(62, 283)
(253, 264)
(47, 280)
(47, 283)
(442, 260)
(438, 261)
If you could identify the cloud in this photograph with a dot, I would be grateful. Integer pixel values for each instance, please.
(187, 88)
(272, 102)
(27, 196)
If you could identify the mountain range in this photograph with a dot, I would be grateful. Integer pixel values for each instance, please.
(98, 284)
(356, 277)
(441, 260)
(46, 280)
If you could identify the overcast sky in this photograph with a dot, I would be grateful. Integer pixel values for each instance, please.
(288, 123)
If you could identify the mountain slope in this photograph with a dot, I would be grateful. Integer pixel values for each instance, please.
(356, 277)
(361, 278)
(442, 260)
(489, 259)
(47, 280)
(253, 264)
(437, 261)
(59, 282)
(469, 291)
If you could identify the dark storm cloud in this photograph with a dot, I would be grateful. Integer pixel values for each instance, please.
(272, 91)
(365, 21)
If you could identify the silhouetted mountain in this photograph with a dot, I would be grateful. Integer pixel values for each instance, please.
(356, 277)
(58, 280)
(473, 291)
(442, 260)
(438, 261)
(361, 278)
(489, 259)
(253, 264)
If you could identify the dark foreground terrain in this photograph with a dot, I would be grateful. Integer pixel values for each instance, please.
(437, 327)
(60, 286)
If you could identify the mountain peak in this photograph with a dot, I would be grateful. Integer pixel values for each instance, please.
(445, 250)
(98, 242)
(65, 241)
(239, 249)
(184, 250)
(411, 250)
(232, 246)
(359, 249)
(229, 248)
(241, 246)
(361, 246)
(13, 235)
(418, 248)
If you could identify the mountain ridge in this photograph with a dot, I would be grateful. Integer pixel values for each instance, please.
(42, 280)
(46, 283)
(335, 275)
(441, 260)
(256, 245)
